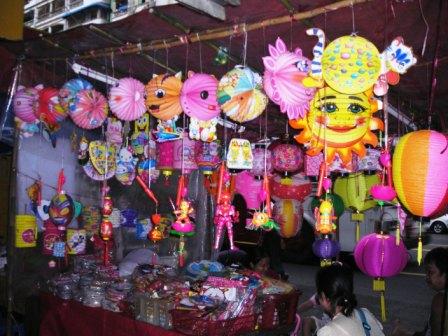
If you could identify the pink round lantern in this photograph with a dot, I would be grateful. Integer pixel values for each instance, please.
(288, 213)
(127, 99)
(198, 96)
(250, 188)
(165, 157)
(287, 158)
(184, 158)
(262, 158)
(90, 109)
(207, 156)
(297, 187)
(26, 102)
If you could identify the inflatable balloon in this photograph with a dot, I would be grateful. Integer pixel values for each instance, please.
(89, 109)
(240, 94)
(61, 210)
(354, 190)
(198, 96)
(67, 93)
(163, 96)
(26, 102)
(127, 99)
(420, 166)
(343, 121)
(282, 80)
(250, 188)
(296, 187)
(288, 213)
(50, 111)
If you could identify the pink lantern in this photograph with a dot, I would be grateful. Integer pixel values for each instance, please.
(198, 96)
(250, 188)
(297, 187)
(207, 156)
(288, 213)
(90, 109)
(127, 99)
(261, 158)
(287, 158)
(165, 157)
(184, 150)
(378, 256)
(26, 102)
(312, 164)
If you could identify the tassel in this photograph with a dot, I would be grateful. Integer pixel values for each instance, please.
(357, 231)
(325, 262)
(383, 307)
(419, 251)
(379, 285)
(397, 236)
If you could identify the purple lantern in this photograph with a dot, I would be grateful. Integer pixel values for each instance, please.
(259, 161)
(326, 249)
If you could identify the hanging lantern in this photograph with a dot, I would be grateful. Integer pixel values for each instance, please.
(165, 158)
(378, 256)
(26, 102)
(250, 188)
(163, 96)
(287, 159)
(239, 155)
(25, 231)
(262, 158)
(384, 192)
(89, 109)
(184, 158)
(127, 99)
(212, 184)
(102, 157)
(61, 208)
(50, 111)
(326, 249)
(336, 200)
(207, 156)
(67, 94)
(288, 213)
(296, 187)
(324, 218)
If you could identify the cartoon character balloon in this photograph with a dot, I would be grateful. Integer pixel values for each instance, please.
(240, 94)
(67, 93)
(343, 121)
(282, 80)
(125, 171)
(198, 96)
(61, 210)
(163, 96)
(50, 111)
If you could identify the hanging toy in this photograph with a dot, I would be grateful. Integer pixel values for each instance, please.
(222, 56)
(239, 155)
(324, 218)
(314, 78)
(106, 227)
(26, 129)
(163, 96)
(203, 130)
(140, 137)
(114, 132)
(125, 171)
(61, 209)
(167, 130)
(83, 151)
(225, 215)
(102, 157)
(384, 192)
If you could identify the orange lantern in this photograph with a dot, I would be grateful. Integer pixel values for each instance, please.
(163, 96)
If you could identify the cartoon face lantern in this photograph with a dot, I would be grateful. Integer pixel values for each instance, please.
(163, 96)
(282, 80)
(343, 121)
(198, 96)
(61, 210)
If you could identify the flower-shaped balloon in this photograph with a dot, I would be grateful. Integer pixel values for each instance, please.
(90, 109)
(198, 96)
(127, 99)
(282, 80)
(163, 96)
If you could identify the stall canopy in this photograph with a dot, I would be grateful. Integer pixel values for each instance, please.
(178, 38)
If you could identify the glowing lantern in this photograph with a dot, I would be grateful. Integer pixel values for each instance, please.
(326, 249)
(262, 160)
(250, 188)
(297, 187)
(207, 156)
(287, 158)
(288, 213)
(165, 158)
(378, 256)
(184, 150)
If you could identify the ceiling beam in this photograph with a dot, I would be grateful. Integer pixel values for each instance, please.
(211, 8)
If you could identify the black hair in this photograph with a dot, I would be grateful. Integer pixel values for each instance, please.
(439, 257)
(336, 282)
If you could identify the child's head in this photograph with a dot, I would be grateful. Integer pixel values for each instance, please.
(334, 286)
(436, 262)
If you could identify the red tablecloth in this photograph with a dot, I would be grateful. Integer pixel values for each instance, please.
(70, 318)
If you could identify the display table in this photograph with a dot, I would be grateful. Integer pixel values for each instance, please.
(71, 318)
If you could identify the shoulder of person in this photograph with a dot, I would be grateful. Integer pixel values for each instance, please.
(375, 326)
(437, 302)
(326, 331)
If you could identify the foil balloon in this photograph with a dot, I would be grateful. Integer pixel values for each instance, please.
(127, 99)
(50, 111)
(240, 94)
(89, 109)
(343, 122)
(26, 102)
(114, 132)
(198, 96)
(67, 94)
(61, 210)
(102, 156)
(125, 170)
(163, 96)
(282, 80)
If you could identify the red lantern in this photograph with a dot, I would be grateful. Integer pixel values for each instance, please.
(287, 158)
(297, 187)
(108, 206)
(207, 156)
(165, 157)
(106, 229)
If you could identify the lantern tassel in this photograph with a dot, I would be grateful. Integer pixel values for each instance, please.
(379, 285)
(357, 231)
(419, 251)
(397, 236)
(383, 307)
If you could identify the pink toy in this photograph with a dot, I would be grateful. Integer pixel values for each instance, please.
(225, 216)
(250, 189)
(183, 223)
(384, 191)
(284, 72)
(127, 99)
(26, 103)
(90, 109)
(198, 96)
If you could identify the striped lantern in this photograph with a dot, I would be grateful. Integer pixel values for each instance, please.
(288, 213)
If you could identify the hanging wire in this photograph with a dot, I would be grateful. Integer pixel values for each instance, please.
(200, 52)
(166, 54)
(353, 20)
(427, 27)
(245, 45)
(290, 33)
(54, 72)
(154, 61)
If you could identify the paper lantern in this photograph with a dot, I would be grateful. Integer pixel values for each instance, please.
(250, 188)
(207, 156)
(165, 157)
(67, 94)
(287, 158)
(296, 187)
(61, 210)
(288, 213)
(76, 241)
(26, 102)
(127, 99)
(336, 200)
(282, 80)
(239, 155)
(50, 111)
(102, 156)
(163, 96)
(240, 94)
(326, 249)
(351, 64)
(89, 109)
(198, 96)
(343, 121)
(420, 166)
(25, 231)
(262, 161)
(50, 235)
(184, 159)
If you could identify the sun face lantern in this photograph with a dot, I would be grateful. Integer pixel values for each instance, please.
(282, 80)
(343, 121)
(184, 154)
(163, 96)
(378, 256)
(127, 99)
(287, 158)
(240, 94)
(262, 161)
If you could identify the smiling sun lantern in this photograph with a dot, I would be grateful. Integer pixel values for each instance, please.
(343, 121)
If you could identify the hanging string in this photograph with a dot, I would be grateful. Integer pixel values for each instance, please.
(325, 22)
(112, 64)
(229, 51)
(290, 33)
(54, 72)
(200, 52)
(166, 54)
(154, 61)
(353, 20)
(426, 24)
(245, 45)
